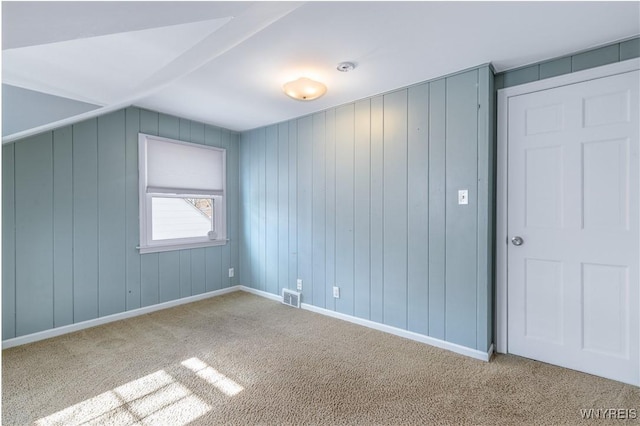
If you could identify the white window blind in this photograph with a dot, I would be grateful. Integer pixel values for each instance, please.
(175, 167)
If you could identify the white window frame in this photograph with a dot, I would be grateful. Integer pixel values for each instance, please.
(147, 244)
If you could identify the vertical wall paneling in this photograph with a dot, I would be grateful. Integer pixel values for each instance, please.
(251, 180)
(271, 209)
(70, 205)
(461, 221)
(132, 256)
(595, 58)
(185, 273)
(197, 133)
(395, 208)
(149, 279)
(592, 58)
(330, 208)
(184, 130)
(233, 204)
(244, 160)
(168, 126)
(344, 208)
(8, 243)
(198, 271)
(248, 261)
(555, 68)
(377, 210)
(149, 122)
(305, 225)
(418, 210)
(213, 268)
(211, 134)
(260, 191)
(437, 209)
(293, 197)
(630, 49)
(522, 76)
(254, 246)
(85, 220)
(62, 226)
(254, 186)
(34, 233)
(111, 207)
(372, 206)
(254, 211)
(283, 206)
(362, 194)
(261, 151)
(318, 212)
(149, 263)
(168, 276)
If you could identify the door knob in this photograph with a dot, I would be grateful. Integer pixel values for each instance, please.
(517, 241)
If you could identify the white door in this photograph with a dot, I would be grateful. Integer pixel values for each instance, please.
(573, 189)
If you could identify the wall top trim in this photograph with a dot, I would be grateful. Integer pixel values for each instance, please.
(569, 55)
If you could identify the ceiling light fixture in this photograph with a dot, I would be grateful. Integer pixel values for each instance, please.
(304, 89)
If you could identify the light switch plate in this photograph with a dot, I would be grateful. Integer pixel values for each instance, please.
(463, 196)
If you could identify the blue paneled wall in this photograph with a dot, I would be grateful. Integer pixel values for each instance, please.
(70, 224)
(364, 197)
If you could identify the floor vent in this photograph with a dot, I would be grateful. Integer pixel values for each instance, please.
(291, 298)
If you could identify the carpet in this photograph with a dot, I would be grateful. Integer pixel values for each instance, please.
(242, 359)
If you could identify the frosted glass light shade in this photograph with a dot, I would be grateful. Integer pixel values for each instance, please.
(304, 89)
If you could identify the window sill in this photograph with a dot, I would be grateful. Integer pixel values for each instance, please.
(183, 246)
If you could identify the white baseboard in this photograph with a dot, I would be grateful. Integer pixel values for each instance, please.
(58, 331)
(463, 350)
(261, 293)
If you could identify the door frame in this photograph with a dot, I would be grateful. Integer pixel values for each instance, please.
(501, 314)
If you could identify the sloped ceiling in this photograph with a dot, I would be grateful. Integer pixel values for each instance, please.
(224, 63)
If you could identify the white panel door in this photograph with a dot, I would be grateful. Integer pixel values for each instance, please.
(573, 189)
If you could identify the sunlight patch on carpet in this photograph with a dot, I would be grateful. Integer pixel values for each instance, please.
(152, 399)
(211, 376)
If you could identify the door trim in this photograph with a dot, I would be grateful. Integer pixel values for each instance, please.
(501, 314)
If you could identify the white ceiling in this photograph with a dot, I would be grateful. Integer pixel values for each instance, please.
(224, 63)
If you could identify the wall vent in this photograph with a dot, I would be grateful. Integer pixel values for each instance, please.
(290, 297)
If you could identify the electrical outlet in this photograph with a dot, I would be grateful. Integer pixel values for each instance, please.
(336, 292)
(231, 272)
(463, 196)
(299, 285)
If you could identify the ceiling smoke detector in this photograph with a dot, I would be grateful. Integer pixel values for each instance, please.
(345, 66)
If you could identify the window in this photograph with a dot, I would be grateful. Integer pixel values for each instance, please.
(182, 194)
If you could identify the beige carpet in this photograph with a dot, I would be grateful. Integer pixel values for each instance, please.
(242, 359)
